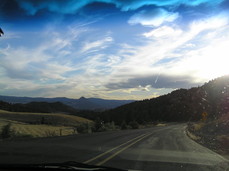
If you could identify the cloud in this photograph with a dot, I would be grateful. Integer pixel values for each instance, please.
(72, 6)
(87, 61)
(59, 6)
(17, 87)
(96, 45)
(209, 23)
(135, 4)
(154, 17)
(42, 61)
(155, 81)
(59, 65)
(163, 31)
(179, 58)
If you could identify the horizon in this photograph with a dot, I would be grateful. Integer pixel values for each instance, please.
(110, 49)
(112, 99)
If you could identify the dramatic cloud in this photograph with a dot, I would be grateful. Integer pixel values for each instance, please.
(154, 17)
(56, 65)
(72, 6)
(155, 81)
(131, 49)
(176, 58)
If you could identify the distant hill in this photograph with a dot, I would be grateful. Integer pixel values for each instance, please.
(38, 107)
(179, 105)
(79, 104)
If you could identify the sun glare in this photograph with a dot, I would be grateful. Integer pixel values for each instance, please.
(212, 61)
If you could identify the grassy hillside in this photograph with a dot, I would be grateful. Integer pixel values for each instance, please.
(43, 118)
(41, 124)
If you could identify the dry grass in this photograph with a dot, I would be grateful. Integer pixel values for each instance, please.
(198, 126)
(56, 119)
(29, 124)
(161, 124)
(42, 130)
(192, 136)
(23, 129)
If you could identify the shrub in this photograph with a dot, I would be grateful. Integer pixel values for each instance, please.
(134, 124)
(84, 128)
(7, 131)
(99, 125)
(123, 125)
(109, 126)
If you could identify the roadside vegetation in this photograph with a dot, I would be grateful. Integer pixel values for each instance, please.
(213, 134)
(22, 124)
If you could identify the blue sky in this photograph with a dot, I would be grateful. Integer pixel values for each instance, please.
(112, 49)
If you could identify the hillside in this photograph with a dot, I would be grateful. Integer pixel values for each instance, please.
(41, 124)
(79, 104)
(38, 107)
(179, 105)
(43, 118)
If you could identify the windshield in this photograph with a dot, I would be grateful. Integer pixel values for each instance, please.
(128, 84)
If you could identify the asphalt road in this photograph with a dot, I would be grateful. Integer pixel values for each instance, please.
(156, 148)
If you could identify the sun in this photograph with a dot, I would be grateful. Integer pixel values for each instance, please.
(215, 60)
(210, 61)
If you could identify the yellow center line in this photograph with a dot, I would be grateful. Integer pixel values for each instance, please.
(100, 155)
(124, 148)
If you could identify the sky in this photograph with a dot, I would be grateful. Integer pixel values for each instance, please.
(111, 49)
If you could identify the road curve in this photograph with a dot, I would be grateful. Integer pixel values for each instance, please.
(156, 148)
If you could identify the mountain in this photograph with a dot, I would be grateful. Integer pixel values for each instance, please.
(38, 107)
(212, 98)
(79, 104)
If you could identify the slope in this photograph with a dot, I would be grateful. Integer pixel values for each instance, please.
(180, 105)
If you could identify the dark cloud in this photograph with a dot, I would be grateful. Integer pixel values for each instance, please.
(162, 81)
(72, 6)
(10, 9)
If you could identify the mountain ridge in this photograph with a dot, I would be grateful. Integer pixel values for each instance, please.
(179, 105)
(80, 104)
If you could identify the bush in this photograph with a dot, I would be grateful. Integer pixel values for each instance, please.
(99, 125)
(7, 131)
(134, 124)
(123, 125)
(109, 126)
(84, 128)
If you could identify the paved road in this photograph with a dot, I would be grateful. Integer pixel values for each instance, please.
(157, 148)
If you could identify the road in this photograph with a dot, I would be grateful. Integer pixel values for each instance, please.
(156, 148)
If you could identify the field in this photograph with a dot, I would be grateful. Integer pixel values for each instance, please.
(41, 124)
